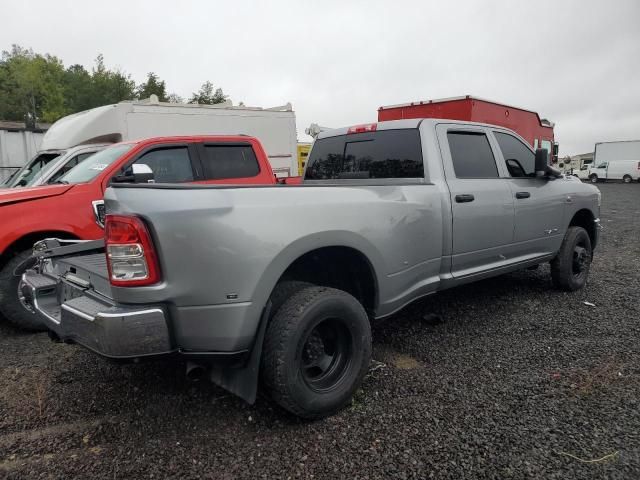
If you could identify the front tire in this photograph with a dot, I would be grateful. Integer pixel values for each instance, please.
(627, 179)
(11, 307)
(570, 267)
(594, 178)
(316, 351)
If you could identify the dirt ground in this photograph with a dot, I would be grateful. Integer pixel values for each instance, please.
(506, 378)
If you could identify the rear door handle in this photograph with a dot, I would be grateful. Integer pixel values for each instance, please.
(464, 198)
(523, 194)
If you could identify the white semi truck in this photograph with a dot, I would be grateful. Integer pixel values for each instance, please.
(75, 137)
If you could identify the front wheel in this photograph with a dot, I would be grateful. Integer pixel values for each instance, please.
(316, 351)
(627, 179)
(12, 305)
(594, 178)
(570, 267)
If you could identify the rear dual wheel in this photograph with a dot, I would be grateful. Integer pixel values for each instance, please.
(316, 351)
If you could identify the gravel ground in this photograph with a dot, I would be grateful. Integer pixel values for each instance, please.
(506, 378)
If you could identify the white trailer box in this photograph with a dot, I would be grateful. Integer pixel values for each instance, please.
(274, 127)
(616, 161)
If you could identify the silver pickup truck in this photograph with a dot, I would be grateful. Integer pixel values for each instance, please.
(281, 282)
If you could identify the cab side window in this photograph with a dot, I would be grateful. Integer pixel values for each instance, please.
(471, 155)
(520, 160)
(229, 161)
(169, 165)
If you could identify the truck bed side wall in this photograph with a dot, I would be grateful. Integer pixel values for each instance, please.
(216, 243)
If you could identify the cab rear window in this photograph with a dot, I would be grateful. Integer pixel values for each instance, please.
(380, 154)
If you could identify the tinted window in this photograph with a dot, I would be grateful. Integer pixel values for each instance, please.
(520, 160)
(472, 156)
(229, 161)
(383, 154)
(169, 165)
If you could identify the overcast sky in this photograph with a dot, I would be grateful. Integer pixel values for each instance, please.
(575, 62)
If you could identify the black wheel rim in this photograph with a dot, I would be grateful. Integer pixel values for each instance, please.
(581, 259)
(326, 355)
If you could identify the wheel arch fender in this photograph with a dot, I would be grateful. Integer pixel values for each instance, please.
(25, 239)
(315, 242)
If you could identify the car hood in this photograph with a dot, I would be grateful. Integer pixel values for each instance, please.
(17, 195)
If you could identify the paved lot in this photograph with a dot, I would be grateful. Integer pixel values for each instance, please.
(513, 380)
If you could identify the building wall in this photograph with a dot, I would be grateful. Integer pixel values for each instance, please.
(16, 148)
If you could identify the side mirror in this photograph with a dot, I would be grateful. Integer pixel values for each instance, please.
(136, 173)
(543, 169)
(142, 173)
(541, 162)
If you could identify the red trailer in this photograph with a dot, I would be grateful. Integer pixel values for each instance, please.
(538, 132)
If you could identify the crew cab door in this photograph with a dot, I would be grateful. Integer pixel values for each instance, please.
(481, 201)
(539, 202)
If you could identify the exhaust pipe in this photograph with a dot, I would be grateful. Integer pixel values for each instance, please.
(195, 372)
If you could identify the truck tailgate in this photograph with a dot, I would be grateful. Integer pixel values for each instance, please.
(87, 268)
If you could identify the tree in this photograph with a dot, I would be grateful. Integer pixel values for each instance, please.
(31, 86)
(207, 96)
(175, 98)
(78, 93)
(110, 86)
(35, 87)
(153, 86)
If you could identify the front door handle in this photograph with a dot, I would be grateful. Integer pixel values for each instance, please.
(464, 198)
(523, 194)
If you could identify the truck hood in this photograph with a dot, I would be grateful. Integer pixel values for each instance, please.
(16, 195)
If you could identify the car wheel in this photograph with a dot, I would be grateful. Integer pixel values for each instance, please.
(316, 351)
(12, 307)
(594, 178)
(570, 267)
(627, 179)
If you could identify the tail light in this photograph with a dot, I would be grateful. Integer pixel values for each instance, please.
(131, 257)
(371, 127)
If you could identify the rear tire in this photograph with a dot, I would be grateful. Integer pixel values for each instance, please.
(570, 267)
(10, 305)
(627, 179)
(316, 351)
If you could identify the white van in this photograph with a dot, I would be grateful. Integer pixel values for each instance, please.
(74, 137)
(616, 161)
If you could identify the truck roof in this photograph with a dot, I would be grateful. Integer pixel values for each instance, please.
(191, 138)
(401, 124)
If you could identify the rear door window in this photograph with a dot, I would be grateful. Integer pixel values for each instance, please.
(229, 161)
(381, 154)
(472, 155)
(169, 165)
(520, 160)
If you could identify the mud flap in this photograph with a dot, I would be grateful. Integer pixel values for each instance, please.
(243, 381)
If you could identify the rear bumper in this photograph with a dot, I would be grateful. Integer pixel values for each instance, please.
(74, 312)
